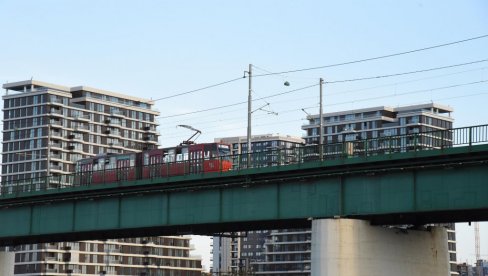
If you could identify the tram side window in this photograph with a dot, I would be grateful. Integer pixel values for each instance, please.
(168, 158)
(209, 151)
(196, 155)
(146, 159)
(179, 157)
(109, 163)
(184, 152)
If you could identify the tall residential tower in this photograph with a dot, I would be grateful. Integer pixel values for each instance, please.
(406, 127)
(46, 129)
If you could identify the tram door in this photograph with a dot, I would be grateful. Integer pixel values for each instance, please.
(196, 158)
(123, 167)
(155, 165)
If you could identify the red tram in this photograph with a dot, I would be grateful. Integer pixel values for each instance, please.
(180, 160)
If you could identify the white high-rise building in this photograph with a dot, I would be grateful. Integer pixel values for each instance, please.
(392, 122)
(46, 129)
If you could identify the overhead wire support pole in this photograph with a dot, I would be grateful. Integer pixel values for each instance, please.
(321, 124)
(249, 114)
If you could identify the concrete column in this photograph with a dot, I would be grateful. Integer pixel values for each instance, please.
(7, 261)
(346, 247)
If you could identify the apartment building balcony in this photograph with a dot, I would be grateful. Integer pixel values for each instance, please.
(81, 118)
(75, 146)
(150, 142)
(55, 123)
(117, 113)
(55, 156)
(112, 123)
(113, 133)
(150, 129)
(274, 262)
(56, 134)
(81, 128)
(55, 145)
(55, 168)
(56, 112)
(77, 105)
(75, 137)
(284, 272)
(49, 246)
(58, 102)
(116, 145)
(302, 251)
(308, 126)
(50, 259)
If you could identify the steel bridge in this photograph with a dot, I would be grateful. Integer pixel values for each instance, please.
(414, 179)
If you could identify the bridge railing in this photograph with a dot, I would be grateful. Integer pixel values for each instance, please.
(348, 147)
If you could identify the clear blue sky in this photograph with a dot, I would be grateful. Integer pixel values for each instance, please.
(154, 49)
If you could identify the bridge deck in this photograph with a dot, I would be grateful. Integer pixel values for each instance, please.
(446, 185)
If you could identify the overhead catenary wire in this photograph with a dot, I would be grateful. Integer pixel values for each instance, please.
(361, 100)
(322, 67)
(407, 73)
(408, 93)
(405, 82)
(338, 81)
(288, 121)
(238, 103)
(374, 58)
(389, 95)
(454, 97)
(198, 89)
(232, 119)
(311, 97)
(243, 127)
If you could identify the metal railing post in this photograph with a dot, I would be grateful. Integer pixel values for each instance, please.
(415, 137)
(470, 137)
(167, 168)
(442, 138)
(365, 147)
(389, 144)
(280, 155)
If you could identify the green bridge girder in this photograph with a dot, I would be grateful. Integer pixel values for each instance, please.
(449, 185)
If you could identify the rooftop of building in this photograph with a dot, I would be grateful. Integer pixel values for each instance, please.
(110, 93)
(39, 85)
(440, 107)
(19, 85)
(261, 137)
(407, 108)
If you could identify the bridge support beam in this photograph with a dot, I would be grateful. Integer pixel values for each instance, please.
(355, 248)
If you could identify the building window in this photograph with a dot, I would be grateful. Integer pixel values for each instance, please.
(414, 120)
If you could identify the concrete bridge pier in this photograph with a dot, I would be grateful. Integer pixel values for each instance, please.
(347, 247)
